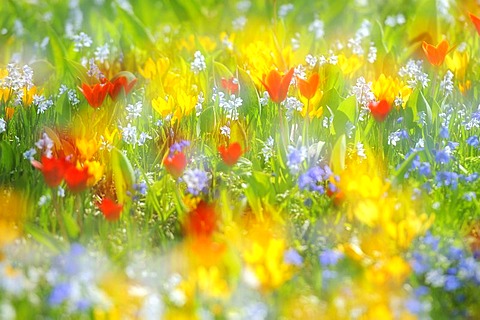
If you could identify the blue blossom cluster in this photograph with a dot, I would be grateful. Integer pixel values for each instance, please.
(315, 179)
(444, 267)
(73, 276)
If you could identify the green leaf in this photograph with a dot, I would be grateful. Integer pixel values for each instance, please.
(248, 92)
(73, 230)
(58, 52)
(423, 105)
(400, 173)
(337, 160)
(135, 27)
(346, 112)
(123, 176)
(7, 157)
(44, 238)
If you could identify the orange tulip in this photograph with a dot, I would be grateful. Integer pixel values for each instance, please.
(476, 22)
(276, 85)
(436, 54)
(309, 87)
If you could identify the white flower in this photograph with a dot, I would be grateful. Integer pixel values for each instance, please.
(284, 10)
(317, 26)
(198, 64)
(134, 110)
(81, 40)
(225, 130)
(3, 125)
(267, 149)
(102, 53)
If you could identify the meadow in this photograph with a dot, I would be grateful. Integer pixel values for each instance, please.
(239, 159)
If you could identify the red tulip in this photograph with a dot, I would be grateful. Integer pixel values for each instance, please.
(380, 109)
(110, 209)
(96, 94)
(53, 170)
(277, 85)
(436, 54)
(175, 164)
(308, 88)
(76, 178)
(230, 154)
(119, 83)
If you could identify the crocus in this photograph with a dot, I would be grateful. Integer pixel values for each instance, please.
(380, 109)
(76, 178)
(436, 54)
(110, 209)
(230, 154)
(119, 83)
(476, 22)
(175, 164)
(53, 170)
(96, 94)
(309, 87)
(277, 85)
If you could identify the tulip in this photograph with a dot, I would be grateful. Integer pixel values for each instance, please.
(277, 85)
(230, 154)
(436, 54)
(379, 109)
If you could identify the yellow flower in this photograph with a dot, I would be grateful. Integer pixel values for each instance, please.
(181, 96)
(458, 63)
(28, 94)
(95, 170)
(349, 65)
(13, 209)
(87, 147)
(126, 298)
(164, 106)
(388, 88)
(153, 69)
(264, 258)
(211, 282)
(5, 94)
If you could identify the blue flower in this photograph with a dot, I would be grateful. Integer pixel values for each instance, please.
(452, 283)
(313, 179)
(444, 132)
(292, 257)
(330, 257)
(295, 158)
(473, 141)
(446, 178)
(60, 293)
(443, 156)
